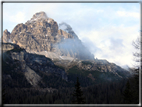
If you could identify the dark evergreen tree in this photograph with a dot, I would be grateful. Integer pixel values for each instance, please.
(78, 94)
(127, 93)
(3, 95)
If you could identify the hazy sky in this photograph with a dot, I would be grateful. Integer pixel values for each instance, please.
(107, 29)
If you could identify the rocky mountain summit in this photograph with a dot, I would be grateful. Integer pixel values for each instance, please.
(47, 55)
(44, 62)
(42, 34)
(67, 28)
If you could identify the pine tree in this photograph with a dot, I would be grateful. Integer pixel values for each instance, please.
(3, 95)
(78, 94)
(128, 93)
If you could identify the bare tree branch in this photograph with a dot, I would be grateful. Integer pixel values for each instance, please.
(137, 54)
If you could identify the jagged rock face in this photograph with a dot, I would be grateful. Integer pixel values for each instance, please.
(67, 28)
(30, 64)
(41, 33)
(6, 36)
(7, 47)
(103, 66)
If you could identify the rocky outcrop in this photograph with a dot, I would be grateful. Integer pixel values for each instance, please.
(30, 64)
(27, 47)
(6, 36)
(67, 28)
(103, 66)
(41, 33)
(8, 46)
(96, 65)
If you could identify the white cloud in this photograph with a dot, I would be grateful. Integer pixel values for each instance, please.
(114, 42)
(99, 26)
(18, 17)
(128, 14)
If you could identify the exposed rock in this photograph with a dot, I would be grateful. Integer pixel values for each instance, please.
(67, 28)
(39, 16)
(41, 33)
(6, 36)
(30, 64)
(32, 77)
(103, 66)
(8, 46)
(91, 76)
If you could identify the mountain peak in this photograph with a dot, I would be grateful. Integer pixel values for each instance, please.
(6, 31)
(6, 35)
(64, 26)
(41, 34)
(40, 15)
(67, 28)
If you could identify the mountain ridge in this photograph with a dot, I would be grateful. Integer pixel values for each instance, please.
(61, 51)
(41, 33)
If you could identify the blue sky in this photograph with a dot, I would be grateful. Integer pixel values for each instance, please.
(107, 29)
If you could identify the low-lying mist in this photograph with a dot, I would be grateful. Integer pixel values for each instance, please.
(74, 48)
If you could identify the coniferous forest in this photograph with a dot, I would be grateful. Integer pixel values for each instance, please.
(125, 91)
(79, 89)
(42, 64)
